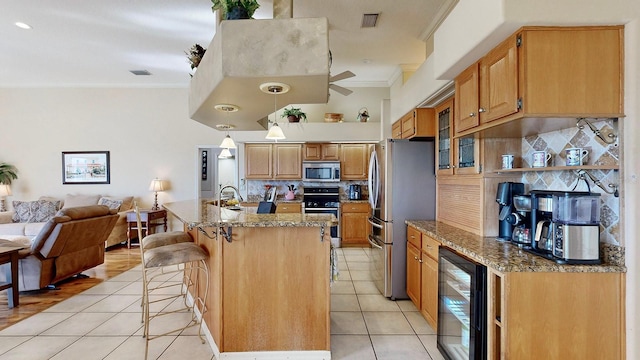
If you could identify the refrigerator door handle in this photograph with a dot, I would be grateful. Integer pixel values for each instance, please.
(374, 224)
(374, 243)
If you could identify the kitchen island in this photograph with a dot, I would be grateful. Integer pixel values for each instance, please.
(536, 308)
(269, 294)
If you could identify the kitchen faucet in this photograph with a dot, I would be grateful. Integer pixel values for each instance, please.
(227, 187)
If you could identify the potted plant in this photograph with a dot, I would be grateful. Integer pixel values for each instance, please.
(195, 54)
(8, 173)
(294, 114)
(235, 9)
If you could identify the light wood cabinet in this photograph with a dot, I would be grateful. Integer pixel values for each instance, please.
(414, 265)
(543, 77)
(555, 315)
(320, 151)
(273, 161)
(429, 288)
(445, 148)
(419, 122)
(287, 164)
(289, 208)
(258, 161)
(354, 224)
(354, 161)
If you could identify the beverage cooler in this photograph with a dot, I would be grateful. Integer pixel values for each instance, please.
(461, 307)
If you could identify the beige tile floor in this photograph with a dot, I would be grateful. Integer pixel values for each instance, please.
(104, 323)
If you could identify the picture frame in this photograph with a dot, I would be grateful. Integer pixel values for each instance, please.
(85, 167)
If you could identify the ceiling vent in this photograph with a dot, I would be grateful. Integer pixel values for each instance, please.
(369, 20)
(140, 72)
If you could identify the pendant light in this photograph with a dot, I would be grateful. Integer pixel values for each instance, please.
(227, 142)
(225, 154)
(275, 132)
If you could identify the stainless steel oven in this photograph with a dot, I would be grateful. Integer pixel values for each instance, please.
(324, 200)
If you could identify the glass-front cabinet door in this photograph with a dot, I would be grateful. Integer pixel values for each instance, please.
(467, 154)
(444, 124)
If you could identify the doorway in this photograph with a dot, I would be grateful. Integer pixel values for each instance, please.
(215, 172)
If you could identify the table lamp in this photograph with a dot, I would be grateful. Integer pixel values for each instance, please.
(5, 190)
(156, 185)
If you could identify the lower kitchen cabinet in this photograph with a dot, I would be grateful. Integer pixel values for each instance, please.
(429, 281)
(555, 315)
(289, 208)
(414, 264)
(422, 274)
(354, 224)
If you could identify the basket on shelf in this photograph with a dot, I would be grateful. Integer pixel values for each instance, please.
(332, 117)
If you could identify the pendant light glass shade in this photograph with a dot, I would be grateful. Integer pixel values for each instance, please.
(225, 154)
(275, 133)
(227, 143)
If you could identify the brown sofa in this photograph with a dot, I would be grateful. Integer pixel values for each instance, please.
(69, 243)
(24, 232)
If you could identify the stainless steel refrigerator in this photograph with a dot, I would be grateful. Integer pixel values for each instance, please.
(402, 186)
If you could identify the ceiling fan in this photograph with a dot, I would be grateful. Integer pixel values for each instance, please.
(343, 75)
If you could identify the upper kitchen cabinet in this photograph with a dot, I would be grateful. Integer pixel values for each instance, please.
(259, 160)
(273, 161)
(419, 122)
(354, 161)
(444, 140)
(320, 151)
(287, 164)
(541, 79)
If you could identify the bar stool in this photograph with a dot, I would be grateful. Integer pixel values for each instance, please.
(162, 256)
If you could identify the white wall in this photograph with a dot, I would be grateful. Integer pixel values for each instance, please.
(147, 132)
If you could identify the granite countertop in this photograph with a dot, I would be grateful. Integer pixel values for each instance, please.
(347, 201)
(500, 255)
(201, 213)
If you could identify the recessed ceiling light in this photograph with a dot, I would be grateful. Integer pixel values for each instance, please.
(22, 25)
(140, 72)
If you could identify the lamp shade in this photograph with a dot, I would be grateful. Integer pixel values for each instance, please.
(227, 143)
(225, 154)
(156, 185)
(275, 133)
(5, 190)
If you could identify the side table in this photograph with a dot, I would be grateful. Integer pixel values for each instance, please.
(150, 220)
(9, 254)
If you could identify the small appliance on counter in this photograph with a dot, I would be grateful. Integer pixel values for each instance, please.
(576, 218)
(355, 192)
(542, 227)
(521, 221)
(504, 198)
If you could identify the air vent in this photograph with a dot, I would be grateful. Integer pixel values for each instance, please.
(369, 20)
(140, 72)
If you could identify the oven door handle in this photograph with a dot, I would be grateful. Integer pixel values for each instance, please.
(374, 243)
(374, 223)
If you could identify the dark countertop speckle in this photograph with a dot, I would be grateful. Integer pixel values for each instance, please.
(500, 255)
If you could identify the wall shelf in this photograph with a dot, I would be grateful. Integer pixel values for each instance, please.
(558, 168)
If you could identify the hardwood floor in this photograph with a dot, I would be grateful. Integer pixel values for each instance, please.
(118, 259)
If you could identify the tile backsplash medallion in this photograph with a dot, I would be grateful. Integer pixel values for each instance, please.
(600, 153)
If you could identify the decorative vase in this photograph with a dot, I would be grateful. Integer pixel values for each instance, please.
(293, 119)
(237, 12)
(290, 195)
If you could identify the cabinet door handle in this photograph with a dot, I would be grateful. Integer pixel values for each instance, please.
(472, 115)
(481, 110)
(415, 258)
(420, 261)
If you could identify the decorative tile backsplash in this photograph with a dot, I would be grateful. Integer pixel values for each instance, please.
(600, 153)
(256, 188)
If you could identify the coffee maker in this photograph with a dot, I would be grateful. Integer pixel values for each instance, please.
(521, 221)
(542, 226)
(576, 217)
(504, 198)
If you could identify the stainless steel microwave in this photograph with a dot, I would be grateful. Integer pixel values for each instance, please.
(321, 171)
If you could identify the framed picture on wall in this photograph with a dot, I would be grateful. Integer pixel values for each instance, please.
(85, 167)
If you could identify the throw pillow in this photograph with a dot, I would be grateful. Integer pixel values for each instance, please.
(35, 211)
(72, 200)
(111, 203)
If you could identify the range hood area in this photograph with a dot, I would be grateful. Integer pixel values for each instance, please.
(245, 54)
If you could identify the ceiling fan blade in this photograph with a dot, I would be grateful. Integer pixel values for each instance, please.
(343, 75)
(340, 89)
